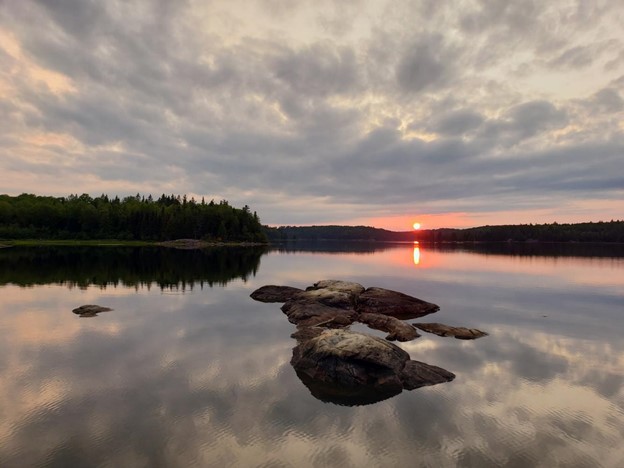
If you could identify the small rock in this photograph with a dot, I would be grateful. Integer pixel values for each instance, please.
(396, 329)
(272, 293)
(90, 310)
(461, 333)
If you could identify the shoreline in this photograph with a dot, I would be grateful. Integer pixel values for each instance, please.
(188, 244)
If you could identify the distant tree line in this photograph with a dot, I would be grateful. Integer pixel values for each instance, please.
(342, 233)
(137, 217)
(612, 231)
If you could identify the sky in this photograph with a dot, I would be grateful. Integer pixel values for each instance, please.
(381, 113)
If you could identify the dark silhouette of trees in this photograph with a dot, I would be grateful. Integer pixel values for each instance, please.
(612, 231)
(136, 217)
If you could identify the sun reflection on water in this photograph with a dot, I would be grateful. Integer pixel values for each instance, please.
(416, 253)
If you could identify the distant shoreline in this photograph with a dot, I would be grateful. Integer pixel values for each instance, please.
(188, 244)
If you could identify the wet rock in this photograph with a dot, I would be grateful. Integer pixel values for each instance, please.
(393, 303)
(396, 329)
(351, 368)
(461, 333)
(418, 374)
(90, 310)
(272, 293)
(308, 313)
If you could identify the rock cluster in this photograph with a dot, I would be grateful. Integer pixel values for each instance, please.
(344, 367)
(333, 303)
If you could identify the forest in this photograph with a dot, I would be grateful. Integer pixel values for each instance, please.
(610, 231)
(83, 217)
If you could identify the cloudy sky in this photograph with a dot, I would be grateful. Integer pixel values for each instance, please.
(311, 112)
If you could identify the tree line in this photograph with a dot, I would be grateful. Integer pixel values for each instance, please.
(611, 231)
(83, 217)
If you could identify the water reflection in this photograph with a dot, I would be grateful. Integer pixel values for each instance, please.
(416, 254)
(127, 266)
(205, 380)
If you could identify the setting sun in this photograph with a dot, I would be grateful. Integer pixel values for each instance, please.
(416, 226)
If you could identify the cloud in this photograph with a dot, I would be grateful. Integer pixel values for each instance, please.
(302, 120)
(424, 65)
(458, 122)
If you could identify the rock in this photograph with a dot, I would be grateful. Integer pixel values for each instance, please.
(396, 329)
(271, 293)
(393, 303)
(90, 310)
(329, 297)
(355, 289)
(307, 333)
(418, 374)
(461, 333)
(308, 313)
(351, 368)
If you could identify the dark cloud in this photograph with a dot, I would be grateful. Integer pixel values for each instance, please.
(319, 70)
(425, 65)
(607, 100)
(458, 122)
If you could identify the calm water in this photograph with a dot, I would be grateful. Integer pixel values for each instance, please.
(189, 371)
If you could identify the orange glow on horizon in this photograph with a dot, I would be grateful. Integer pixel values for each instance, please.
(400, 223)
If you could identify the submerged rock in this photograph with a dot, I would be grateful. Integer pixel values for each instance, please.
(393, 303)
(351, 368)
(461, 333)
(90, 310)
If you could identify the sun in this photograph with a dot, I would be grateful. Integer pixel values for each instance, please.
(416, 226)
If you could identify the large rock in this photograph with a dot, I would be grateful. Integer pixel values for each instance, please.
(272, 293)
(308, 313)
(461, 333)
(393, 303)
(90, 310)
(350, 368)
(329, 297)
(355, 289)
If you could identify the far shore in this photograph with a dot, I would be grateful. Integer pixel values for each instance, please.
(176, 244)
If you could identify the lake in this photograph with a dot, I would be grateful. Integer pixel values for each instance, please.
(187, 370)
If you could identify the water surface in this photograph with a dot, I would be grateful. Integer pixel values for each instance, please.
(187, 370)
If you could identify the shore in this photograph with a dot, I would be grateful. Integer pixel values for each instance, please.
(176, 244)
